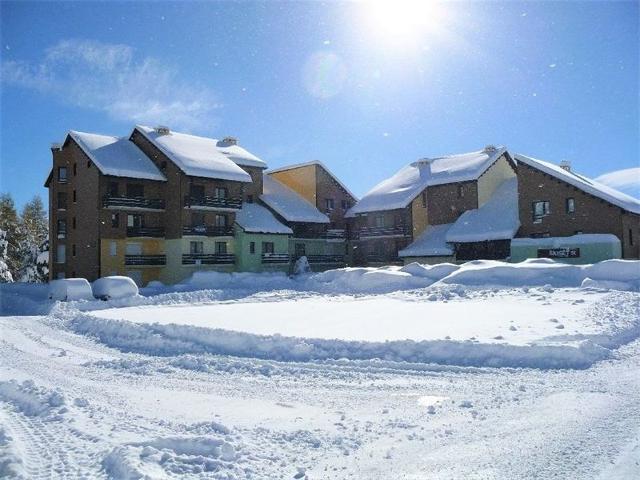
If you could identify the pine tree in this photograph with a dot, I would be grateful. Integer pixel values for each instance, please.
(5, 274)
(9, 224)
(32, 234)
(42, 262)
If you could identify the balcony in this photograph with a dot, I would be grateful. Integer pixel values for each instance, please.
(133, 203)
(275, 258)
(386, 259)
(335, 259)
(208, 259)
(145, 259)
(157, 232)
(377, 232)
(208, 231)
(212, 203)
(331, 234)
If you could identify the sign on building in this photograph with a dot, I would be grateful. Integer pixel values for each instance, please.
(558, 253)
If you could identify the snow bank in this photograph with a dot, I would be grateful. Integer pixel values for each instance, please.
(114, 287)
(70, 289)
(29, 399)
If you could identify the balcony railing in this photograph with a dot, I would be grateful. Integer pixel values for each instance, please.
(275, 258)
(325, 258)
(208, 230)
(332, 234)
(213, 202)
(145, 232)
(208, 259)
(145, 259)
(387, 259)
(110, 201)
(372, 232)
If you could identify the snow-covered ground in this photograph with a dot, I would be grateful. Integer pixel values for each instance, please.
(406, 373)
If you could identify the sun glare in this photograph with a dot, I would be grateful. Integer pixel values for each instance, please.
(405, 20)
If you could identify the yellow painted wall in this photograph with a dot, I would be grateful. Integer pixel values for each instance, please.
(301, 180)
(110, 265)
(419, 217)
(175, 272)
(492, 178)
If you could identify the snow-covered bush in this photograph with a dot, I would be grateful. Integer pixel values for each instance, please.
(301, 266)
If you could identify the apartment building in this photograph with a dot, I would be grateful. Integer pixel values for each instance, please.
(408, 216)
(159, 205)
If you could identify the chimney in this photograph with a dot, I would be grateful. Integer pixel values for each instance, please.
(490, 149)
(565, 165)
(162, 130)
(228, 141)
(424, 165)
(56, 146)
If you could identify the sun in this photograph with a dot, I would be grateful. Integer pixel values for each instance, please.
(401, 21)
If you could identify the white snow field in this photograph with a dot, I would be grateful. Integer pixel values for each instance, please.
(410, 373)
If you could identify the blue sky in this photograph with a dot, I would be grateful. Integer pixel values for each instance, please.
(297, 81)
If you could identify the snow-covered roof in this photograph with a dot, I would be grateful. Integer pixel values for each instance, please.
(117, 156)
(498, 219)
(197, 156)
(239, 155)
(289, 204)
(319, 164)
(432, 242)
(254, 218)
(585, 184)
(400, 189)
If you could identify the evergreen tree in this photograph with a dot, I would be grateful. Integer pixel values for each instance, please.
(32, 234)
(9, 224)
(5, 274)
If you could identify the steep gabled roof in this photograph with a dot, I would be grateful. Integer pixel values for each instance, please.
(254, 218)
(195, 156)
(400, 189)
(116, 156)
(317, 163)
(583, 183)
(498, 219)
(289, 204)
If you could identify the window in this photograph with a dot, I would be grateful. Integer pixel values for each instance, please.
(62, 174)
(113, 248)
(60, 275)
(197, 219)
(73, 223)
(197, 192)
(196, 248)
(62, 228)
(252, 247)
(540, 210)
(73, 250)
(345, 205)
(75, 169)
(220, 192)
(221, 220)
(62, 200)
(379, 221)
(578, 232)
(267, 247)
(221, 247)
(133, 249)
(113, 189)
(424, 199)
(75, 197)
(134, 221)
(249, 198)
(300, 250)
(115, 220)
(135, 190)
(460, 191)
(61, 256)
(89, 164)
(328, 204)
(570, 205)
(631, 237)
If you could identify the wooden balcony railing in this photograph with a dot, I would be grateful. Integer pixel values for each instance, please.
(208, 230)
(372, 232)
(208, 259)
(213, 202)
(145, 260)
(133, 202)
(387, 259)
(275, 258)
(145, 232)
(331, 234)
(325, 259)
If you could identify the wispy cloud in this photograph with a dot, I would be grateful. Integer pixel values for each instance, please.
(111, 78)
